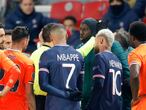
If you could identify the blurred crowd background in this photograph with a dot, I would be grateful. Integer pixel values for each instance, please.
(34, 14)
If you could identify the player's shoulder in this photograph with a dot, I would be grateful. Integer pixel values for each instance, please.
(20, 56)
(137, 51)
(107, 55)
(26, 59)
(1, 51)
(36, 52)
(101, 55)
(74, 51)
(40, 50)
(49, 52)
(2, 55)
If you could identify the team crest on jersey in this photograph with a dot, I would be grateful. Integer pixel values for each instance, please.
(18, 22)
(11, 57)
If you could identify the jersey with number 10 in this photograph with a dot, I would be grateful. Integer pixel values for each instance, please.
(65, 65)
(108, 67)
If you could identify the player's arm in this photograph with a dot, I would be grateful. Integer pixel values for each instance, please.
(44, 79)
(134, 80)
(86, 48)
(9, 67)
(134, 65)
(45, 86)
(30, 96)
(29, 87)
(98, 81)
(81, 76)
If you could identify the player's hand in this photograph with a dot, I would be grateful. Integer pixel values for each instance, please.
(135, 102)
(74, 95)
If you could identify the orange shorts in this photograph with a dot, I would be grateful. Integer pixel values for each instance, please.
(140, 105)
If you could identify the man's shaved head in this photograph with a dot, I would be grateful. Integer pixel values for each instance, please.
(58, 33)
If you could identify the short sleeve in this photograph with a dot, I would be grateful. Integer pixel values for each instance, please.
(99, 68)
(29, 74)
(133, 58)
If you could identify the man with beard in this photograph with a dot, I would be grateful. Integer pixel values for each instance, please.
(9, 72)
(21, 96)
(137, 65)
(88, 28)
(107, 75)
(8, 39)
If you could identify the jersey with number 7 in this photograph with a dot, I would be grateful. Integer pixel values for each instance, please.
(64, 68)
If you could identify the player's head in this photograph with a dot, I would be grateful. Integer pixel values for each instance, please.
(123, 37)
(46, 32)
(137, 33)
(70, 22)
(8, 39)
(58, 34)
(2, 36)
(104, 40)
(27, 6)
(88, 28)
(20, 36)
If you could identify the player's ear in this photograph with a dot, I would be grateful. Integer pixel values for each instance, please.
(101, 40)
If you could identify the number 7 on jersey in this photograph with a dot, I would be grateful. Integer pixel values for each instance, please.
(72, 66)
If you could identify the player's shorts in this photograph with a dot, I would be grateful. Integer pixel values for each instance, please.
(140, 104)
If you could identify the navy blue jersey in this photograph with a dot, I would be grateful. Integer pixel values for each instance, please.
(108, 67)
(64, 66)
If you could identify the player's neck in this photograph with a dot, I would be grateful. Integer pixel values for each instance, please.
(103, 49)
(50, 44)
(17, 47)
(60, 43)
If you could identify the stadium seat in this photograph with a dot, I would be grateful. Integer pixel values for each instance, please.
(62, 9)
(144, 20)
(95, 9)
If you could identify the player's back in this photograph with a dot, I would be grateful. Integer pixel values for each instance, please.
(139, 56)
(5, 66)
(16, 98)
(110, 98)
(65, 65)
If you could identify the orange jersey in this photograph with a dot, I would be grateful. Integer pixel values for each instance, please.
(16, 98)
(138, 56)
(7, 66)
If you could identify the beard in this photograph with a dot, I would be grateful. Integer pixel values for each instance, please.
(2, 45)
(132, 44)
(96, 50)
